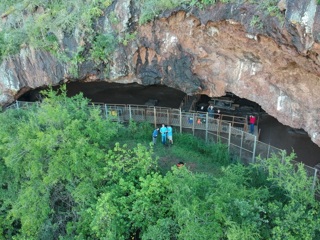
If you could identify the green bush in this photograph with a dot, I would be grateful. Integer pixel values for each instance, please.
(102, 48)
(68, 173)
(140, 132)
(209, 152)
(38, 23)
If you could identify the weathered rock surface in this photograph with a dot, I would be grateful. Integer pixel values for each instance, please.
(211, 52)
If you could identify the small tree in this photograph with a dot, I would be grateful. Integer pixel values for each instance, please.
(52, 160)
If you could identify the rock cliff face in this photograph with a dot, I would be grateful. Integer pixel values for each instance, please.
(212, 51)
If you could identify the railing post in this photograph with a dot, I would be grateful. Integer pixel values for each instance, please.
(254, 149)
(194, 120)
(241, 144)
(314, 179)
(130, 113)
(207, 122)
(180, 120)
(106, 110)
(268, 151)
(229, 139)
(168, 121)
(217, 121)
(118, 114)
(155, 116)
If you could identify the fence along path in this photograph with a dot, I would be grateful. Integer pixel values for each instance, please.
(240, 143)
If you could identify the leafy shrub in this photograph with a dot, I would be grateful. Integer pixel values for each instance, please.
(102, 47)
(211, 152)
(37, 23)
(63, 177)
(256, 22)
(138, 131)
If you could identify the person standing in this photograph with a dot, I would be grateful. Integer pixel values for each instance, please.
(169, 134)
(218, 114)
(252, 121)
(154, 136)
(211, 111)
(163, 131)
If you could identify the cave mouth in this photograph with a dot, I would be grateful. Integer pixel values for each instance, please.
(117, 93)
(229, 104)
(271, 131)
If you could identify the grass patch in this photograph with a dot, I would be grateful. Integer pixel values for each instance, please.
(197, 155)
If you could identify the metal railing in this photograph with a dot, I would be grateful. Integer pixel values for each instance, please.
(241, 144)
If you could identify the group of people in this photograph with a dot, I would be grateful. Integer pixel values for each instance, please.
(166, 133)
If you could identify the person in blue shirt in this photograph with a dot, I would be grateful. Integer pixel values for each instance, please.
(154, 136)
(163, 131)
(169, 134)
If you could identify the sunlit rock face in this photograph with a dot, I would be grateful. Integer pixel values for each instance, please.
(209, 51)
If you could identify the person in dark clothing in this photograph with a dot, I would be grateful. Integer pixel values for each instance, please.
(154, 136)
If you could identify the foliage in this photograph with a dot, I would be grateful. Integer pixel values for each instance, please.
(268, 8)
(128, 38)
(272, 9)
(102, 48)
(48, 25)
(208, 152)
(256, 22)
(291, 215)
(138, 131)
(73, 60)
(150, 8)
(52, 160)
(113, 18)
(67, 173)
(129, 176)
(41, 23)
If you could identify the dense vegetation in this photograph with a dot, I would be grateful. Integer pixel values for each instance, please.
(67, 173)
(50, 24)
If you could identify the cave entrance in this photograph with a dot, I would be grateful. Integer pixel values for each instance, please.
(268, 129)
(116, 93)
(231, 108)
(229, 104)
